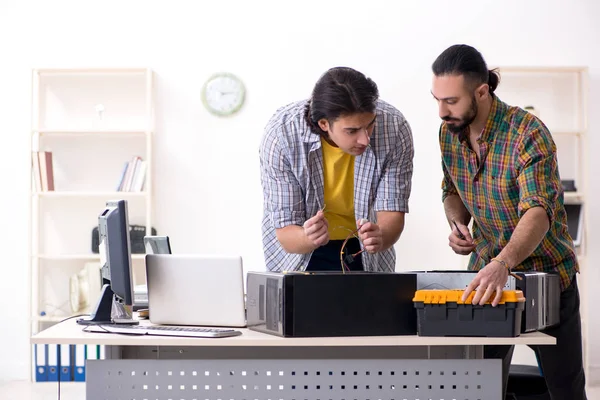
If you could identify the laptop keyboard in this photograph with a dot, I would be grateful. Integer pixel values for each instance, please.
(164, 330)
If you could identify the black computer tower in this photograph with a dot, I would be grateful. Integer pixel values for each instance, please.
(542, 299)
(331, 303)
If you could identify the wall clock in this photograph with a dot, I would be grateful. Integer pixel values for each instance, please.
(223, 94)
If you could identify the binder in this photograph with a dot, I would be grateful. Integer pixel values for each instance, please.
(93, 352)
(41, 372)
(52, 363)
(79, 374)
(65, 363)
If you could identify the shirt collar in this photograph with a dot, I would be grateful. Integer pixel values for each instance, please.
(308, 136)
(495, 119)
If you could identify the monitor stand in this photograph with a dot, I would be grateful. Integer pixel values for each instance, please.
(109, 311)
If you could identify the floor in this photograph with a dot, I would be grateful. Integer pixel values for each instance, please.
(22, 390)
(25, 390)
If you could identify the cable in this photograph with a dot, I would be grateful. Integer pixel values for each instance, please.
(112, 332)
(74, 316)
(349, 256)
(59, 353)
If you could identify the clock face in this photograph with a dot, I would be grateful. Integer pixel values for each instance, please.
(223, 94)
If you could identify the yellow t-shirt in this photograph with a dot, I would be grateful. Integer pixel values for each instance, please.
(338, 178)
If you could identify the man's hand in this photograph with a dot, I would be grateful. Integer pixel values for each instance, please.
(461, 245)
(491, 278)
(316, 230)
(370, 235)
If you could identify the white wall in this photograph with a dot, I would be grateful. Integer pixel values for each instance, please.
(208, 195)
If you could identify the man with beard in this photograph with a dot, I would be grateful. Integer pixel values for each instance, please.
(327, 163)
(500, 170)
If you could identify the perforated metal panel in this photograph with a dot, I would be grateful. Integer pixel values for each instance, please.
(293, 379)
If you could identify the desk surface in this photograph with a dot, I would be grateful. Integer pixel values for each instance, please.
(69, 332)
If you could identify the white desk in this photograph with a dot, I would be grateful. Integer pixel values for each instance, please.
(260, 366)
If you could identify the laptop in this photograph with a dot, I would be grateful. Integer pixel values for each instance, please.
(152, 245)
(199, 290)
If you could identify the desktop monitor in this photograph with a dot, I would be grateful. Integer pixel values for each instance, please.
(116, 300)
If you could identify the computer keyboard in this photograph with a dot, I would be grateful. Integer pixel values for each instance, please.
(163, 330)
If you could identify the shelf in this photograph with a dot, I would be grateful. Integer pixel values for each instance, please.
(573, 197)
(48, 318)
(66, 257)
(59, 194)
(84, 71)
(85, 132)
(95, 121)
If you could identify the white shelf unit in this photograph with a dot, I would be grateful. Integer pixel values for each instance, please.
(559, 96)
(93, 121)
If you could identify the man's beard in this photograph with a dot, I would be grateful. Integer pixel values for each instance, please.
(465, 121)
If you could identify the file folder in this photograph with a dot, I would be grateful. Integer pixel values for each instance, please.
(52, 363)
(93, 352)
(41, 373)
(65, 363)
(80, 363)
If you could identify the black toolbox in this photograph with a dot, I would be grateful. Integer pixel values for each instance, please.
(443, 313)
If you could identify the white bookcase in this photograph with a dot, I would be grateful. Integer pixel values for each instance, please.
(93, 121)
(559, 98)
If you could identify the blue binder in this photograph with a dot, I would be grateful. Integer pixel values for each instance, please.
(65, 362)
(41, 373)
(79, 366)
(52, 362)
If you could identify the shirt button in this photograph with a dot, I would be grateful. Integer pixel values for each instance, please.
(478, 206)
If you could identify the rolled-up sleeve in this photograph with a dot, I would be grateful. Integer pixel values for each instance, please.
(394, 189)
(282, 194)
(538, 178)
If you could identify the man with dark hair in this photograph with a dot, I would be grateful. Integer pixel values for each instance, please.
(500, 169)
(336, 174)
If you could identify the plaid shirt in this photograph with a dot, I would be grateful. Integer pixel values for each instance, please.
(291, 166)
(518, 170)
